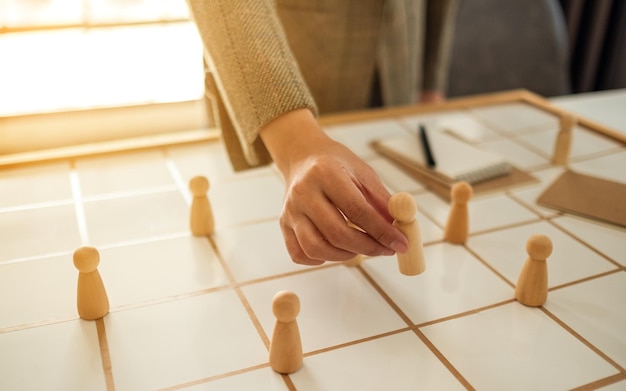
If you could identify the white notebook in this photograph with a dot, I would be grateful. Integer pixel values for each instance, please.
(455, 159)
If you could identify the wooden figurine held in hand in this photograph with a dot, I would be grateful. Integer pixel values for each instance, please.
(457, 226)
(532, 284)
(91, 297)
(201, 218)
(563, 144)
(402, 207)
(286, 347)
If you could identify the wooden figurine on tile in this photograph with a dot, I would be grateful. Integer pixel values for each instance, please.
(286, 347)
(532, 284)
(201, 217)
(457, 226)
(563, 143)
(402, 207)
(91, 296)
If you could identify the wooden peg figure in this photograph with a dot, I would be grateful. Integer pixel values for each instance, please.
(91, 296)
(402, 207)
(286, 347)
(201, 218)
(532, 284)
(457, 226)
(563, 144)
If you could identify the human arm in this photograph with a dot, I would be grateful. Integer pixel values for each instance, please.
(326, 181)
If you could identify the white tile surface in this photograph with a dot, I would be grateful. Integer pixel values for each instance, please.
(181, 341)
(153, 270)
(609, 240)
(358, 136)
(62, 356)
(41, 231)
(35, 184)
(454, 281)
(584, 142)
(515, 118)
(529, 194)
(595, 310)
(210, 160)
(393, 177)
(570, 260)
(609, 167)
(397, 362)
(38, 290)
(264, 379)
(137, 217)
(526, 351)
(245, 201)
(516, 154)
(255, 251)
(484, 212)
(337, 305)
(122, 172)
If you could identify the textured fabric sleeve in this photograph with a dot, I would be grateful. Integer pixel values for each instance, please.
(440, 21)
(256, 74)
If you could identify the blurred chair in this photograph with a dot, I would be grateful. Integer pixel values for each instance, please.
(502, 45)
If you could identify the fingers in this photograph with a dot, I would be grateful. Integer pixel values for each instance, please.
(307, 246)
(354, 203)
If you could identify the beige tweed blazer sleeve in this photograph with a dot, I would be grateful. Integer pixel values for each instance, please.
(273, 56)
(255, 72)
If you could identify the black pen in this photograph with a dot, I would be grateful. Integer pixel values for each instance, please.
(428, 152)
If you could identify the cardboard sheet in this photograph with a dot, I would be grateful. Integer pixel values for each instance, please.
(587, 196)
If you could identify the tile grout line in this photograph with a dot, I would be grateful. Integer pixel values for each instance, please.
(105, 354)
(81, 220)
(237, 288)
(415, 328)
(78, 204)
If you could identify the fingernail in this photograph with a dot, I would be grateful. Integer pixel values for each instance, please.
(399, 247)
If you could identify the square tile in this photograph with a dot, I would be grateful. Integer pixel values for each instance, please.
(529, 194)
(516, 117)
(159, 269)
(396, 362)
(584, 142)
(264, 379)
(180, 341)
(41, 231)
(467, 128)
(337, 305)
(485, 213)
(138, 217)
(595, 310)
(123, 172)
(609, 240)
(35, 184)
(39, 290)
(393, 177)
(244, 201)
(516, 154)
(570, 260)
(609, 167)
(255, 251)
(454, 281)
(62, 356)
(358, 135)
(209, 159)
(513, 347)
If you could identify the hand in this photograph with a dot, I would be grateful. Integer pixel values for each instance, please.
(432, 96)
(327, 184)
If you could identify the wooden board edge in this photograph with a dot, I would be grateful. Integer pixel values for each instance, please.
(108, 147)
